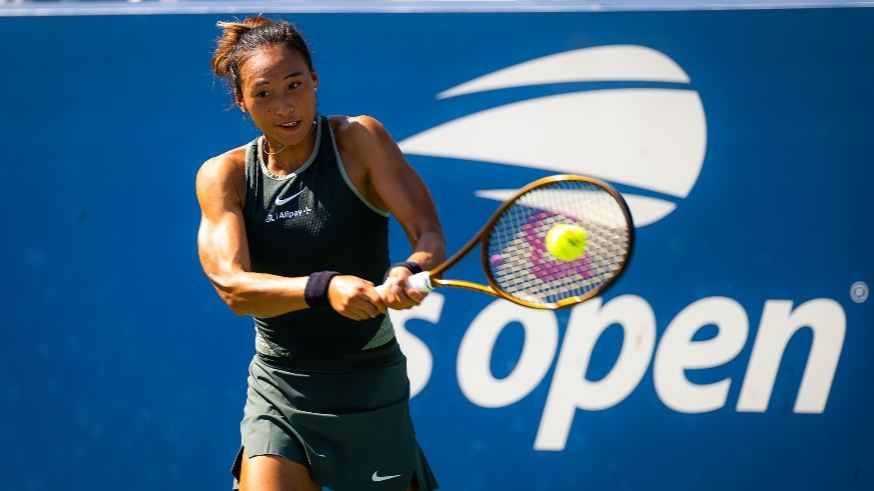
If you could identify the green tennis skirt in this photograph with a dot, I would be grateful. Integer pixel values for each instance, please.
(349, 425)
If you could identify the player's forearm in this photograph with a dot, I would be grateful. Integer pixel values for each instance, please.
(261, 295)
(429, 250)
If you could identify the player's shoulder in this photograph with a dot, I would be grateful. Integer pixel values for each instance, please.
(230, 162)
(227, 168)
(358, 131)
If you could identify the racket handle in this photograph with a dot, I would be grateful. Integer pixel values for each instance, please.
(419, 281)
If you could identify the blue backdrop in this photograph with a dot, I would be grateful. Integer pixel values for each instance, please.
(734, 354)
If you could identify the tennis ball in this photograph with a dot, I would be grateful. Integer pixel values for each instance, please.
(566, 242)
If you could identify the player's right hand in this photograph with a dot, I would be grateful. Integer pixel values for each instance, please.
(398, 294)
(355, 298)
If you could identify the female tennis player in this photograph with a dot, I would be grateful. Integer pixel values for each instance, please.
(295, 233)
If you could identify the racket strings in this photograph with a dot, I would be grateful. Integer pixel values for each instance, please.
(520, 263)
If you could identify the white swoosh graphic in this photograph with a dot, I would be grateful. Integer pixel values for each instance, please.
(383, 478)
(644, 209)
(602, 63)
(652, 139)
(280, 202)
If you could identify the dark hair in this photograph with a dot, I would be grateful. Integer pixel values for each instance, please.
(240, 39)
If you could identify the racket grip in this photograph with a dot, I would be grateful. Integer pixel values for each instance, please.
(419, 281)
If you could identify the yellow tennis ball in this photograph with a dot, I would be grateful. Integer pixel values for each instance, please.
(566, 242)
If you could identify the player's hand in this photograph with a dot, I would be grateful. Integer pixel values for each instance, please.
(355, 298)
(398, 295)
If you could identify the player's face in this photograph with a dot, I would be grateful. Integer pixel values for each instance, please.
(277, 89)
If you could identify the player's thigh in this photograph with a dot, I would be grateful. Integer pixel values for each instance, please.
(273, 473)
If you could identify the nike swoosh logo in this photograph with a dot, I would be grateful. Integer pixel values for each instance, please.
(280, 202)
(377, 478)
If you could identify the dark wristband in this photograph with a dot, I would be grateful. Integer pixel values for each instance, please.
(315, 294)
(412, 266)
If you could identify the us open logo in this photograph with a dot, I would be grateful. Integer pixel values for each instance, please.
(649, 138)
(652, 139)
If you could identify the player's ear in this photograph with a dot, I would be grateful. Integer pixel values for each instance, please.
(315, 78)
(238, 98)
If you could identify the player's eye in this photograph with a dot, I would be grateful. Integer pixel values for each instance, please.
(294, 85)
(261, 95)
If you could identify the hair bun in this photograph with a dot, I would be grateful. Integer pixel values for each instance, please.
(231, 34)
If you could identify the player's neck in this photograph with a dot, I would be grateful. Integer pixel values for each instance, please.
(285, 159)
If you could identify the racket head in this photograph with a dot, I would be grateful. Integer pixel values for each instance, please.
(515, 258)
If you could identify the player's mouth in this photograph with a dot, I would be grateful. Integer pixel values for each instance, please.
(290, 126)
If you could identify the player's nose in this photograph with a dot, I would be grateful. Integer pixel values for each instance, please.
(284, 106)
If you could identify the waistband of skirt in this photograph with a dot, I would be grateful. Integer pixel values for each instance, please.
(380, 356)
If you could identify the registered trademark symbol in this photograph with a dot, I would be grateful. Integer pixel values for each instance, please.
(859, 291)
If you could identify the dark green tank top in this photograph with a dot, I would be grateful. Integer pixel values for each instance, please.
(314, 220)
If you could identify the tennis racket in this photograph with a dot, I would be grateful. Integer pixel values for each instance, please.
(513, 245)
